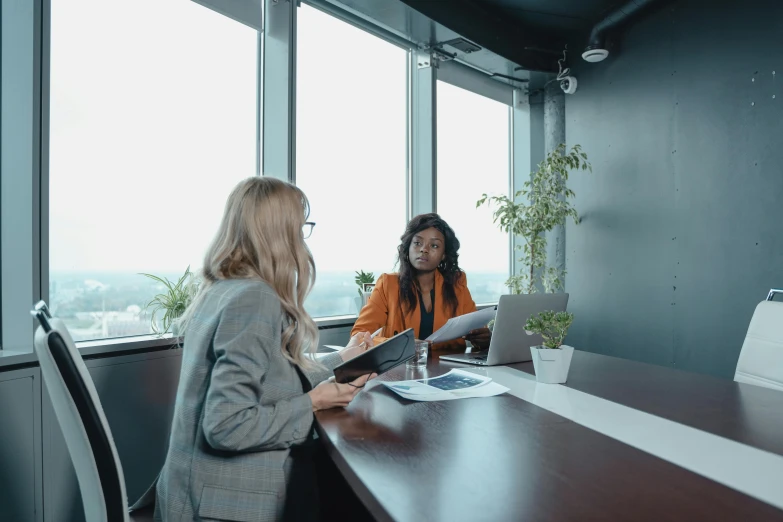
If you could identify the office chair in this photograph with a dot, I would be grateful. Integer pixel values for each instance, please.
(83, 423)
(761, 359)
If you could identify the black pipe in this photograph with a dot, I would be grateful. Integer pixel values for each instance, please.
(617, 19)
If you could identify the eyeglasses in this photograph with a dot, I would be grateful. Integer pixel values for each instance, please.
(307, 229)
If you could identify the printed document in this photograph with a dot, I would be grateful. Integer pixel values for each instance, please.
(457, 384)
(461, 325)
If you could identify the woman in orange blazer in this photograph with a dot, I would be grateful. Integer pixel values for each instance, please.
(429, 289)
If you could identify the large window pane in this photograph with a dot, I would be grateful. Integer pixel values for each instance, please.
(350, 153)
(153, 121)
(473, 158)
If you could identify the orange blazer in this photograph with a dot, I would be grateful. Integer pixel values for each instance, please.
(384, 309)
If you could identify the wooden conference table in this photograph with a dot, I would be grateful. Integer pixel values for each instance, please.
(620, 441)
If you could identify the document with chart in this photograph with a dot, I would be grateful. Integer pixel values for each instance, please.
(457, 384)
(461, 325)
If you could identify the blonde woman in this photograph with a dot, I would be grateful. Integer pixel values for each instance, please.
(243, 419)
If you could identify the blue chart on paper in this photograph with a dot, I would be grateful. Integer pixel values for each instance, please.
(452, 382)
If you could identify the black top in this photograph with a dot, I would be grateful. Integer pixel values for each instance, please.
(427, 318)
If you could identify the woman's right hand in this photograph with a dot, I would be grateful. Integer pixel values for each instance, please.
(331, 394)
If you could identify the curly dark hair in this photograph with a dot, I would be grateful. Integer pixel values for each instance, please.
(449, 267)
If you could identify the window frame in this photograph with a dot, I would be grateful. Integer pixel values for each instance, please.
(466, 78)
(388, 37)
(24, 163)
(24, 221)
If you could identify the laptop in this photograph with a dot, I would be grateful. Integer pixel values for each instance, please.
(510, 342)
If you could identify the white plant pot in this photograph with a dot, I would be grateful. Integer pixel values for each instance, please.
(552, 365)
(361, 301)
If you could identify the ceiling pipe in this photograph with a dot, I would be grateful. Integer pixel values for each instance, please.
(596, 49)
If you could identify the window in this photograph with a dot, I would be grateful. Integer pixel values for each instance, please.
(153, 121)
(350, 153)
(473, 158)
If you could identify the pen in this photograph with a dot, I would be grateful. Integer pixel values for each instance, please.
(373, 336)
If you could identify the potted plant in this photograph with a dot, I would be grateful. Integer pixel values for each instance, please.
(364, 280)
(173, 302)
(544, 205)
(553, 359)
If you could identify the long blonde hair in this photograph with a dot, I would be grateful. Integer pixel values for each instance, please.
(260, 237)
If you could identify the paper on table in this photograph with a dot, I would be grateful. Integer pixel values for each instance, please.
(461, 325)
(338, 348)
(487, 390)
(457, 384)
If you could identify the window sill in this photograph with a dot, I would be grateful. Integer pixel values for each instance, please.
(153, 342)
(147, 343)
(336, 321)
(140, 343)
(126, 344)
(10, 358)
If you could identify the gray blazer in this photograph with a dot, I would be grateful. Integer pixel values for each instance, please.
(240, 410)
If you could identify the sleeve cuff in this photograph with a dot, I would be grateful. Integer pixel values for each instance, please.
(329, 363)
(302, 412)
(332, 361)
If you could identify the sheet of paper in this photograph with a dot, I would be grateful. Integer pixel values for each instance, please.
(459, 326)
(456, 379)
(488, 390)
(457, 384)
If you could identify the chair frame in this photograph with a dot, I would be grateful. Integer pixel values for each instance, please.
(103, 473)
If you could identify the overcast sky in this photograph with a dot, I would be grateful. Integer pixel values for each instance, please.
(153, 118)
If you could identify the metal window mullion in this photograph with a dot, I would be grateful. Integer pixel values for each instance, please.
(20, 162)
(511, 184)
(278, 92)
(260, 104)
(423, 137)
(521, 160)
(41, 257)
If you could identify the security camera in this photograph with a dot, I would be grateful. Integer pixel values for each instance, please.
(568, 84)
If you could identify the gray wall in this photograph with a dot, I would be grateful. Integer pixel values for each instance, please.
(338, 336)
(137, 393)
(37, 480)
(537, 147)
(682, 231)
(21, 481)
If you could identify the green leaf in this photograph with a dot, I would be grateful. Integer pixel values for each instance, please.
(545, 205)
(173, 302)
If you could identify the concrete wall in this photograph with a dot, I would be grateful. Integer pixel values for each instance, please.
(682, 231)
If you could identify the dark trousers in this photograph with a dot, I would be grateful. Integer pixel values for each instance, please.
(317, 490)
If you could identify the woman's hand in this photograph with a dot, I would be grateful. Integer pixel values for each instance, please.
(358, 344)
(479, 338)
(331, 394)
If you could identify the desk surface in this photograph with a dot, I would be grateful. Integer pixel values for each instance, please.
(505, 458)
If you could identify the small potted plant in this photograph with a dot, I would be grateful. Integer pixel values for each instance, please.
(172, 302)
(365, 281)
(552, 359)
